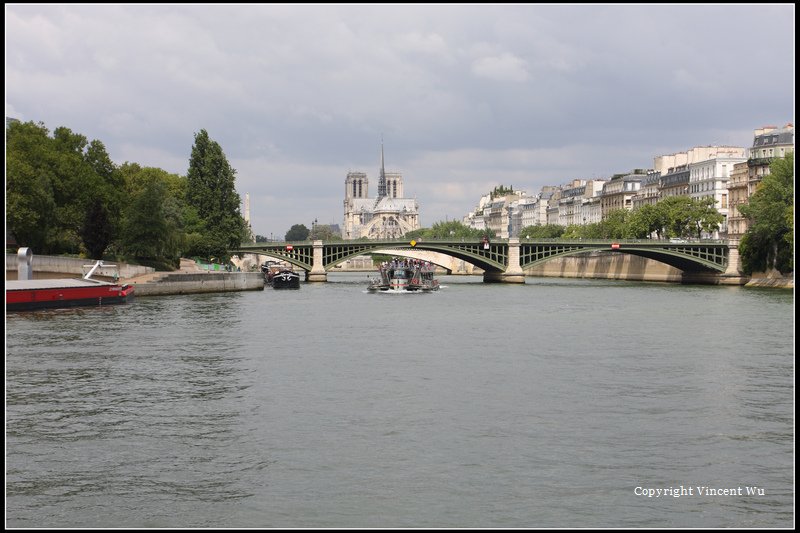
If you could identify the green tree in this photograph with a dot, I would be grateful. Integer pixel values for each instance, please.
(451, 229)
(103, 208)
(544, 231)
(583, 231)
(501, 190)
(211, 191)
(769, 241)
(676, 213)
(646, 220)
(63, 193)
(73, 187)
(144, 228)
(136, 178)
(705, 216)
(298, 232)
(30, 198)
(99, 228)
(324, 232)
(683, 216)
(169, 209)
(615, 225)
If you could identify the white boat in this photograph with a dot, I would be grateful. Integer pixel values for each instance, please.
(405, 275)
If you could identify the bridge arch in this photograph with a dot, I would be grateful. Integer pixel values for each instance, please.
(448, 262)
(689, 257)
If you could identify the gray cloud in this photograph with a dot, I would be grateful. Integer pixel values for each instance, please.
(466, 97)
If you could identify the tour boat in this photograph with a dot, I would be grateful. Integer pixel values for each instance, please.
(404, 276)
(28, 294)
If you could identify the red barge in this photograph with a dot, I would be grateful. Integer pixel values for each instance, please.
(28, 294)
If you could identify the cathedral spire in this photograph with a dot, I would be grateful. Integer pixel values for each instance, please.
(382, 178)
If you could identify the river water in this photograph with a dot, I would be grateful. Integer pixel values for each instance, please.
(558, 403)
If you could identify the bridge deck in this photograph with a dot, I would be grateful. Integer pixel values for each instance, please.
(501, 256)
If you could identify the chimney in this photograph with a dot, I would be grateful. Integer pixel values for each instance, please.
(24, 259)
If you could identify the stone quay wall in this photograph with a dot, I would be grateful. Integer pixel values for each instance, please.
(183, 283)
(605, 265)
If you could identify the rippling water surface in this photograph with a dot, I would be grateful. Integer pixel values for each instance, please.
(559, 403)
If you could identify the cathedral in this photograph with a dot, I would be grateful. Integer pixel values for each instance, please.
(387, 216)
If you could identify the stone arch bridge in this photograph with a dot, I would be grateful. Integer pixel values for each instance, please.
(707, 261)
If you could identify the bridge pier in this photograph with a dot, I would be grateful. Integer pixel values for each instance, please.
(513, 272)
(733, 274)
(318, 272)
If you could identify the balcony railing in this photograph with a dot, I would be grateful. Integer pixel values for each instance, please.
(759, 161)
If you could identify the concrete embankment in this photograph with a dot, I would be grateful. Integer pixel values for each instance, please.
(604, 265)
(193, 283)
(191, 279)
(771, 281)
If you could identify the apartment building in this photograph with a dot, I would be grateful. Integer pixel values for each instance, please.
(618, 192)
(737, 195)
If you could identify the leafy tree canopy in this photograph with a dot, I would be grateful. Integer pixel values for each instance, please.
(63, 192)
(546, 231)
(501, 190)
(769, 241)
(158, 196)
(452, 229)
(324, 232)
(211, 192)
(298, 232)
(683, 216)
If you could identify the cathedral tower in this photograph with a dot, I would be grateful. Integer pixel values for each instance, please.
(356, 185)
(388, 216)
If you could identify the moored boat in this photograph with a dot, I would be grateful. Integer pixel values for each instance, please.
(280, 276)
(405, 275)
(30, 294)
(286, 279)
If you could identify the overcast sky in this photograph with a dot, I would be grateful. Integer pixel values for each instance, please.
(466, 97)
